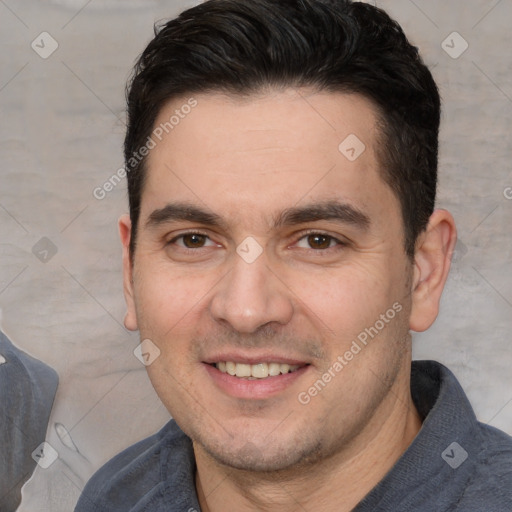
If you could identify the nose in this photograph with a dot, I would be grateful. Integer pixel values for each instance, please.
(250, 296)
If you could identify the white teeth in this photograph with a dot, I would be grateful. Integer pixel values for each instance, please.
(243, 370)
(230, 368)
(274, 369)
(255, 371)
(259, 370)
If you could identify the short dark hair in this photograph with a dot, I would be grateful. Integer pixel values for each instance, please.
(241, 47)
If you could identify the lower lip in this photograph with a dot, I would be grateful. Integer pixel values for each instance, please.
(256, 389)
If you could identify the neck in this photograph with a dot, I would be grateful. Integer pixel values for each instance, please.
(338, 483)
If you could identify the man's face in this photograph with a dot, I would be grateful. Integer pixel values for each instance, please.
(263, 242)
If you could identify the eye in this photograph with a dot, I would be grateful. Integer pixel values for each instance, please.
(192, 241)
(318, 241)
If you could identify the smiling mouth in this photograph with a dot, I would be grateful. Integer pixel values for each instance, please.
(255, 371)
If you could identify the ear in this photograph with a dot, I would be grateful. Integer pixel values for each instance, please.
(125, 229)
(432, 259)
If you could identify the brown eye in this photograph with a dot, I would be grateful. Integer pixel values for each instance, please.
(194, 240)
(319, 241)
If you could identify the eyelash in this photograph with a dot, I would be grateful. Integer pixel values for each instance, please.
(339, 243)
(181, 235)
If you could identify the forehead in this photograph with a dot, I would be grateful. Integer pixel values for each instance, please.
(301, 119)
(268, 151)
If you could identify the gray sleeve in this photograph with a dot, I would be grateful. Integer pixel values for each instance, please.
(27, 390)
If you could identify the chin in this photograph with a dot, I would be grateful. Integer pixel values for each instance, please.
(264, 457)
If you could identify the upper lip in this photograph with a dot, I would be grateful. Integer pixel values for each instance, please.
(263, 357)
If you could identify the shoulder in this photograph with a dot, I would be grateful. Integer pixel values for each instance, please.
(489, 484)
(28, 388)
(493, 478)
(34, 379)
(474, 471)
(133, 479)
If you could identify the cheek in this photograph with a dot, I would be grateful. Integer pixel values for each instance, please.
(345, 299)
(167, 299)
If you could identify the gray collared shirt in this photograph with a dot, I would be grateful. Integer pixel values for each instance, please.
(27, 390)
(455, 463)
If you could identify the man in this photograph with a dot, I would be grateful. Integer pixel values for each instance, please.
(282, 242)
(28, 388)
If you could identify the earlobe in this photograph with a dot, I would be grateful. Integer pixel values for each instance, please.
(130, 320)
(432, 259)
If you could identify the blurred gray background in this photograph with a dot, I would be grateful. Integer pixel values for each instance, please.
(61, 132)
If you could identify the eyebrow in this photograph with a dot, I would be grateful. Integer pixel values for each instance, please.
(328, 210)
(184, 212)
